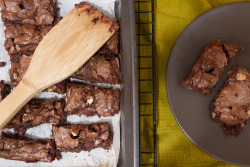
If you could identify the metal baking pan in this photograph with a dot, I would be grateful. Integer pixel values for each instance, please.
(129, 152)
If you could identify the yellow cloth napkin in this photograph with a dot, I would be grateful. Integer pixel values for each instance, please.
(173, 147)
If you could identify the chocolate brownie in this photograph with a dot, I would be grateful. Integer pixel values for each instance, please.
(38, 111)
(23, 38)
(232, 104)
(112, 46)
(28, 150)
(19, 66)
(100, 69)
(75, 138)
(5, 89)
(90, 100)
(34, 12)
(207, 70)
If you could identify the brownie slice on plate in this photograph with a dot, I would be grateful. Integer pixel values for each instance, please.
(209, 67)
(232, 104)
(76, 138)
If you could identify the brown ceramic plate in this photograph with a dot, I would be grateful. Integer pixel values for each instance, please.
(231, 23)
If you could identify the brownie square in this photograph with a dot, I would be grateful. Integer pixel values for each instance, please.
(28, 150)
(111, 47)
(76, 138)
(100, 69)
(232, 104)
(34, 12)
(23, 38)
(209, 67)
(39, 111)
(19, 66)
(5, 90)
(91, 100)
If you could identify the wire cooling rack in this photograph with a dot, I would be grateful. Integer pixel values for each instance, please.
(145, 36)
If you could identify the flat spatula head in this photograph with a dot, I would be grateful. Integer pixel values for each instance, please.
(62, 51)
(69, 45)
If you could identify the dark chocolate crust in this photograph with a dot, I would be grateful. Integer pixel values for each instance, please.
(19, 66)
(33, 12)
(100, 69)
(38, 111)
(23, 38)
(112, 46)
(232, 104)
(28, 150)
(90, 100)
(207, 70)
(76, 138)
(5, 90)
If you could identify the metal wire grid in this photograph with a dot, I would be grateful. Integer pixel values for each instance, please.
(145, 36)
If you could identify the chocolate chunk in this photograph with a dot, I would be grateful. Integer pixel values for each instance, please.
(232, 104)
(28, 150)
(75, 138)
(207, 70)
(100, 69)
(90, 100)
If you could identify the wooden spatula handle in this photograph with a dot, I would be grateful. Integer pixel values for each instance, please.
(15, 101)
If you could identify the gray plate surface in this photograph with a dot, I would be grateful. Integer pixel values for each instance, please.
(231, 23)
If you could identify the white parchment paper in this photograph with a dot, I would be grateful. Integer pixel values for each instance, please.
(96, 157)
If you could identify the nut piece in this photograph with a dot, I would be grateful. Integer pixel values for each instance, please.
(248, 112)
(74, 131)
(90, 100)
(241, 77)
(50, 90)
(26, 117)
(213, 115)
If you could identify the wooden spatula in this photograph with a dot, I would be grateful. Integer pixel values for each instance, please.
(62, 51)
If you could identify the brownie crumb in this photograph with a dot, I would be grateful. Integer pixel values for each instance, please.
(2, 64)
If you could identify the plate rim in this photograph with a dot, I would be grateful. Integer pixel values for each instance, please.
(196, 19)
